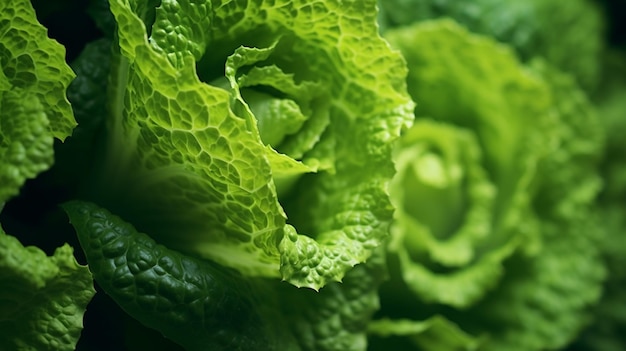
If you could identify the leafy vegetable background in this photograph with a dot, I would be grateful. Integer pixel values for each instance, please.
(312, 175)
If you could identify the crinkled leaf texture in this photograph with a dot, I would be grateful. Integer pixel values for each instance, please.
(43, 298)
(201, 165)
(201, 305)
(33, 106)
(336, 317)
(494, 230)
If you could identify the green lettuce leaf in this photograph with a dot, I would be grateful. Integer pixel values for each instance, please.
(33, 105)
(201, 305)
(198, 153)
(74, 159)
(466, 188)
(43, 298)
(495, 230)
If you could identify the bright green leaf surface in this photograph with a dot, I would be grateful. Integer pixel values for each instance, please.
(199, 304)
(33, 106)
(189, 161)
(336, 317)
(43, 298)
(25, 143)
(33, 62)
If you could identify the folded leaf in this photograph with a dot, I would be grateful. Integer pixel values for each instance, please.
(43, 298)
(199, 156)
(495, 230)
(33, 106)
(336, 318)
(190, 301)
(201, 305)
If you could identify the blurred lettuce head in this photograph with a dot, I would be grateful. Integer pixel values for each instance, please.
(494, 187)
(464, 177)
(223, 108)
(445, 205)
(34, 109)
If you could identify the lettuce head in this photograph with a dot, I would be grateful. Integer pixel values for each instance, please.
(254, 134)
(494, 243)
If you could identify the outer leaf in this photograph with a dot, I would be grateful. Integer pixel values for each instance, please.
(188, 156)
(35, 63)
(25, 144)
(607, 329)
(557, 281)
(573, 182)
(42, 299)
(33, 107)
(558, 285)
(611, 104)
(190, 301)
